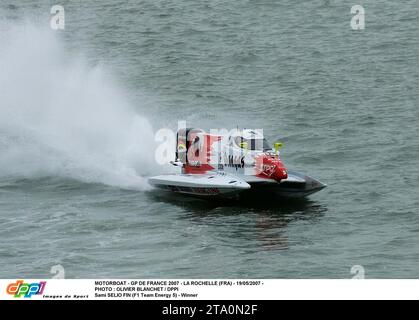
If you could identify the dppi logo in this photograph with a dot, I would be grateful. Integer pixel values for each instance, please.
(27, 290)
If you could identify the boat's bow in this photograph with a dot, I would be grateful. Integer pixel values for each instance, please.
(294, 186)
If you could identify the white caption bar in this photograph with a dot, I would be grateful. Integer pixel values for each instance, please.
(193, 289)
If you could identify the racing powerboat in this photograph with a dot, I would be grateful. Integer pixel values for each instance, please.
(232, 165)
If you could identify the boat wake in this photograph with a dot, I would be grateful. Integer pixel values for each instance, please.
(61, 117)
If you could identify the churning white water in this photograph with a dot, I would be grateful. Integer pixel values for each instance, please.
(61, 117)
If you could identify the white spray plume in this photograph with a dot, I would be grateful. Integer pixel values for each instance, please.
(61, 117)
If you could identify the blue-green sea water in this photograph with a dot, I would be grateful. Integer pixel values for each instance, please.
(79, 109)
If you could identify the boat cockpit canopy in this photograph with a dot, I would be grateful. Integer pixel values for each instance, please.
(254, 144)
